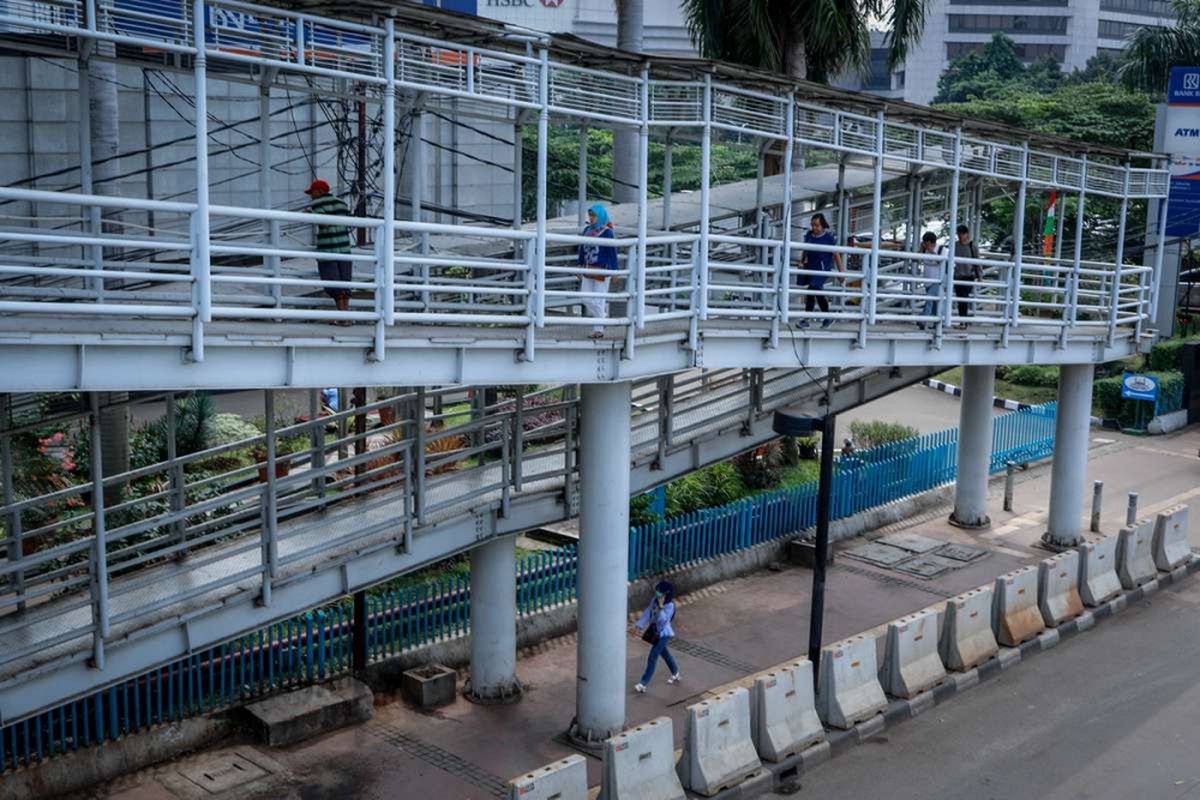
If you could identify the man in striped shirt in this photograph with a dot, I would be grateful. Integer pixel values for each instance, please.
(332, 239)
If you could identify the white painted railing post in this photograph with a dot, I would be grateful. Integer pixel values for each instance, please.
(1156, 275)
(1114, 298)
(643, 199)
(387, 234)
(1073, 278)
(948, 265)
(542, 155)
(1018, 251)
(705, 211)
(783, 277)
(200, 223)
(870, 282)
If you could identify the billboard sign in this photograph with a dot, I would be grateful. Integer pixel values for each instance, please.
(1182, 142)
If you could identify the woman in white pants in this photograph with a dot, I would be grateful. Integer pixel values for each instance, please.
(603, 258)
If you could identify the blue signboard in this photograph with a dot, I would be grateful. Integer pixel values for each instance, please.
(1181, 139)
(461, 6)
(1139, 387)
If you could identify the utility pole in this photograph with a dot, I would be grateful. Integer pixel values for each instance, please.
(625, 140)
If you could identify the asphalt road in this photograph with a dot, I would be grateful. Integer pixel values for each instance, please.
(1110, 714)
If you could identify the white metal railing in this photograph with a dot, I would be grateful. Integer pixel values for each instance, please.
(527, 279)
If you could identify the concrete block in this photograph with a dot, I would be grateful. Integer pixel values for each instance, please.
(849, 689)
(783, 711)
(429, 686)
(967, 636)
(639, 764)
(562, 780)
(1135, 560)
(1058, 588)
(912, 664)
(1170, 544)
(1015, 614)
(1098, 581)
(295, 716)
(717, 749)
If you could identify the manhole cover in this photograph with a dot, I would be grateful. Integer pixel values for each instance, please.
(881, 554)
(221, 774)
(926, 566)
(913, 542)
(961, 552)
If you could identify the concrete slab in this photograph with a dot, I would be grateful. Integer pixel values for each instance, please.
(295, 716)
(913, 542)
(884, 555)
(928, 566)
(961, 552)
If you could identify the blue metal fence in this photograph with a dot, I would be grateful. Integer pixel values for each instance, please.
(317, 645)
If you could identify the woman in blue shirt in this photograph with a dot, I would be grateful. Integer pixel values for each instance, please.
(604, 258)
(818, 233)
(655, 625)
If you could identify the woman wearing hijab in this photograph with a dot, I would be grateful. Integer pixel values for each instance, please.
(603, 258)
(655, 628)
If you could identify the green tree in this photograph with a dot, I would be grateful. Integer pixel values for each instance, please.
(1152, 51)
(808, 39)
(981, 74)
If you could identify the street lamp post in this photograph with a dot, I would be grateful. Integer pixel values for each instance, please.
(787, 424)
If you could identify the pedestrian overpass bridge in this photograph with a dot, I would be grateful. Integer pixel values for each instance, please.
(114, 293)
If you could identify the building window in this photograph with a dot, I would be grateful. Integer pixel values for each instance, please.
(1111, 29)
(1032, 3)
(1159, 8)
(1007, 23)
(1027, 52)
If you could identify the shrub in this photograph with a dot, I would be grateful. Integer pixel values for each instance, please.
(869, 434)
(193, 426)
(1033, 375)
(230, 428)
(712, 486)
(640, 513)
(1167, 356)
(760, 468)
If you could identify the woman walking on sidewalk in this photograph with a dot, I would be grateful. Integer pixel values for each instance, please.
(655, 628)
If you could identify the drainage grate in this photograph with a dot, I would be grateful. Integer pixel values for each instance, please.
(893, 581)
(927, 566)
(961, 552)
(712, 656)
(443, 760)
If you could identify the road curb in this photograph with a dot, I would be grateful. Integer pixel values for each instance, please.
(997, 402)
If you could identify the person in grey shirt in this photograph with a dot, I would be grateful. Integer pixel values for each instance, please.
(965, 274)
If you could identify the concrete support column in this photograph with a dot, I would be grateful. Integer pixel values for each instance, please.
(1068, 474)
(974, 448)
(494, 623)
(603, 562)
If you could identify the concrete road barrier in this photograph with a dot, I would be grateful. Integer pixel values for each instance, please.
(1058, 588)
(1135, 560)
(1098, 581)
(849, 689)
(1170, 545)
(1016, 617)
(639, 764)
(717, 749)
(967, 636)
(912, 664)
(783, 711)
(562, 780)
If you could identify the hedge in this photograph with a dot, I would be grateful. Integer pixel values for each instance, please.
(1168, 356)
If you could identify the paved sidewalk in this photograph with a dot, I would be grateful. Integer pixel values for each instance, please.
(727, 632)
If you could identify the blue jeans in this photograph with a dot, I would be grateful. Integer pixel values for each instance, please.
(659, 649)
(932, 291)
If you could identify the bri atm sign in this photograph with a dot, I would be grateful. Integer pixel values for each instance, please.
(1182, 142)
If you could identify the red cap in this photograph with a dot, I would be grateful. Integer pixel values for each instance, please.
(318, 187)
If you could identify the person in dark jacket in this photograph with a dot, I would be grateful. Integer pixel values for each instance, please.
(655, 627)
(333, 239)
(822, 261)
(604, 259)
